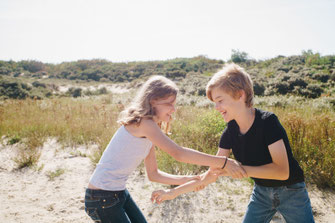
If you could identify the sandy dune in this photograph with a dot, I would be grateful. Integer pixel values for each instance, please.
(34, 195)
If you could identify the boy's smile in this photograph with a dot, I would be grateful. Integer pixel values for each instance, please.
(225, 104)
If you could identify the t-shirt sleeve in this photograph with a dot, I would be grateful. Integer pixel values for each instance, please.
(225, 141)
(274, 131)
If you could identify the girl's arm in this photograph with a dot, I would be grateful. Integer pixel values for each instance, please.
(162, 195)
(155, 175)
(278, 169)
(215, 173)
(151, 130)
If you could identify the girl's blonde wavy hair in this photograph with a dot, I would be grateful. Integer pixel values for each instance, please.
(156, 87)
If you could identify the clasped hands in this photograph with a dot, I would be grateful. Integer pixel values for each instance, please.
(232, 168)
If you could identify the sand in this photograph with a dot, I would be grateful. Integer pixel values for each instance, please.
(36, 195)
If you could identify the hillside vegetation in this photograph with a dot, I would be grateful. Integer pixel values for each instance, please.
(309, 75)
(299, 89)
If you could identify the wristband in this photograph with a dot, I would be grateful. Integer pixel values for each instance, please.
(225, 162)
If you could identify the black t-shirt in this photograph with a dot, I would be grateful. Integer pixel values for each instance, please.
(251, 149)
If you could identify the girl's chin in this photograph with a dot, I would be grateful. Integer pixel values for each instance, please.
(165, 119)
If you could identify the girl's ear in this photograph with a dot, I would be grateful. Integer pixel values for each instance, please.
(153, 102)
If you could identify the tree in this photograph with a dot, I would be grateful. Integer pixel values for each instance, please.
(238, 56)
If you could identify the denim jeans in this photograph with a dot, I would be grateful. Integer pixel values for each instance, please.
(292, 202)
(112, 206)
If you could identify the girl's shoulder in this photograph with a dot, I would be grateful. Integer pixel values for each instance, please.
(147, 123)
(141, 129)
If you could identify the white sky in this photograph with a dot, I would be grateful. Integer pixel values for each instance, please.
(127, 30)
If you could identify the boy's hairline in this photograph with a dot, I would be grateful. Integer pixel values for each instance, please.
(211, 88)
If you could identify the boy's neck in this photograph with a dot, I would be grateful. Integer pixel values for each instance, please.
(245, 119)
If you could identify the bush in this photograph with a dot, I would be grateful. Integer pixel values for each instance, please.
(14, 140)
(321, 77)
(74, 92)
(312, 91)
(259, 89)
(32, 66)
(39, 84)
(295, 81)
(13, 89)
(281, 87)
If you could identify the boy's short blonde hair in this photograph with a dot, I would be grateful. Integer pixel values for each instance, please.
(232, 79)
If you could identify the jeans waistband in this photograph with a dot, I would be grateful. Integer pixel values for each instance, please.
(94, 192)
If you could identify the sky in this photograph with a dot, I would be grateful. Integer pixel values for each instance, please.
(55, 31)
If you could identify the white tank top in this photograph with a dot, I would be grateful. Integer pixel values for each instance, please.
(121, 157)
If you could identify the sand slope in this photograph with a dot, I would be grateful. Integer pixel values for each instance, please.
(31, 195)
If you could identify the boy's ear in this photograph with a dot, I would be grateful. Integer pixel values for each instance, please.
(241, 95)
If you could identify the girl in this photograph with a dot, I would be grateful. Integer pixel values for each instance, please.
(106, 198)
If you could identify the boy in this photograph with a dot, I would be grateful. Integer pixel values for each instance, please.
(259, 142)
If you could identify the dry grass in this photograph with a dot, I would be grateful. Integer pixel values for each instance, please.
(312, 138)
(72, 121)
(311, 130)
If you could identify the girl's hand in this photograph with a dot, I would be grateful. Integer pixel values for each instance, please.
(234, 169)
(219, 172)
(207, 178)
(159, 196)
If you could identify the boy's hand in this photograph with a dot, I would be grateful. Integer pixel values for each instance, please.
(159, 196)
(234, 169)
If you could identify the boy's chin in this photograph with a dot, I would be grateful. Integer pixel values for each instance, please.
(226, 119)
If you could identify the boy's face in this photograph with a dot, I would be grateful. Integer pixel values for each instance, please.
(226, 104)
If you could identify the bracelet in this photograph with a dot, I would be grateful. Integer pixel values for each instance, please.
(225, 162)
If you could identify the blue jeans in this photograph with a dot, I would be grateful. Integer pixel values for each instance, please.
(292, 202)
(112, 206)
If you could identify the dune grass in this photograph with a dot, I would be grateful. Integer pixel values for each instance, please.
(72, 121)
(310, 128)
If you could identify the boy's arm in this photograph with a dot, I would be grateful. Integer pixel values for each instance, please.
(278, 169)
(155, 175)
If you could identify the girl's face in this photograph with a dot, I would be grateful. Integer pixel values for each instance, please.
(226, 104)
(164, 108)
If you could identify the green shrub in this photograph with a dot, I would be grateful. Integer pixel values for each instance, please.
(14, 140)
(13, 89)
(312, 91)
(259, 88)
(201, 132)
(39, 84)
(27, 157)
(321, 77)
(74, 92)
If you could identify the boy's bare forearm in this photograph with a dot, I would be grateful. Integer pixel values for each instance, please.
(268, 171)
